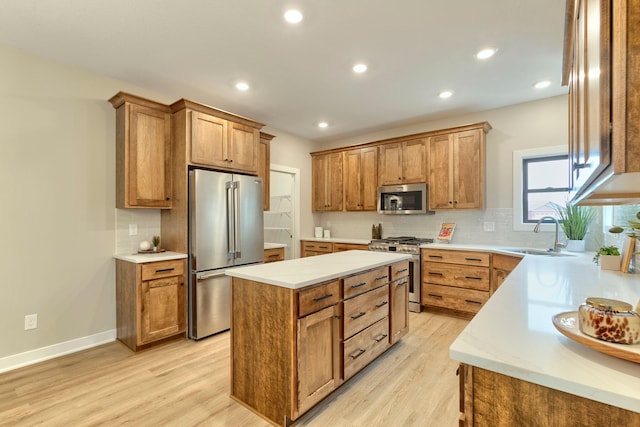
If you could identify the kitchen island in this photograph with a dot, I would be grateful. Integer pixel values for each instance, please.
(517, 369)
(301, 328)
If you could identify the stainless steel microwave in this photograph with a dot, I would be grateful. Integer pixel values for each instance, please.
(404, 199)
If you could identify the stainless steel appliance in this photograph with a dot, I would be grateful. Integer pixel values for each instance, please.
(225, 231)
(407, 245)
(407, 199)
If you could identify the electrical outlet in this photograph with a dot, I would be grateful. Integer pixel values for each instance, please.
(489, 226)
(133, 229)
(30, 321)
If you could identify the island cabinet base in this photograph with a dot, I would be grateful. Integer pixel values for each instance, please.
(291, 348)
(491, 399)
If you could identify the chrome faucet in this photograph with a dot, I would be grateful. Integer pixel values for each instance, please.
(557, 246)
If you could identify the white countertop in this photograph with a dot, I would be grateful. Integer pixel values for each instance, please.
(268, 245)
(300, 272)
(338, 240)
(513, 333)
(142, 258)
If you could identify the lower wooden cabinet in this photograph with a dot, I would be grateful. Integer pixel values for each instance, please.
(273, 255)
(501, 266)
(313, 247)
(150, 301)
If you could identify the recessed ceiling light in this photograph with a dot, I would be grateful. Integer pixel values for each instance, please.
(293, 16)
(542, 84)
(445, 94)
(323, 125)
(242, 86)
(360, 68)
(486, 53)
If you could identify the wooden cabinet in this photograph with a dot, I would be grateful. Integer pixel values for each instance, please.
(273, 255)
(455, 280)
(312, 248)
(361, 179)
(399, 301)
(150, 301)
(327, 188)
(264, 167)
(457, 170)
(341, 247)
(220, 143)
(143, 153)
(501, 266)
(604, 107)
(491, 399)
(403, 162)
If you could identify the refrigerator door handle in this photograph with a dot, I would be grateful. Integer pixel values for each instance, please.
(231, 220)
(236, 220)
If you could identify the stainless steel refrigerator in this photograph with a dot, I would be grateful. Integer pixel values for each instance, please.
(225, 231)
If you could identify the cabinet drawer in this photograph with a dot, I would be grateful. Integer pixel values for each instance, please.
(505, 262)
(318, 297)
(359, 283)
(453, 298)
(399, 269)
(341, 247)
(160, 269)
(274, 254)
(362, 348)
(456, 257)
(317, 246)
(365, 309)
(456, 275)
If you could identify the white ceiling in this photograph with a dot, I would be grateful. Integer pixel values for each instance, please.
(301, 74)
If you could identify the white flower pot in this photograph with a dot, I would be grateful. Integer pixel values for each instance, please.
(575, 245)
(609, 262)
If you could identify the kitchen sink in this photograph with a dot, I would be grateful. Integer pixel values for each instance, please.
(527, 251)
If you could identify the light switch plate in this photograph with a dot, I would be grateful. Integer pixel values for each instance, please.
(489, 226)
(30, 321)
(133, 229)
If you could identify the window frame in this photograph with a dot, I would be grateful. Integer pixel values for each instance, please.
(526, 161)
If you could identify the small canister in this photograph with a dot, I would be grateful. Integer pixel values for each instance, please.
(609, 320)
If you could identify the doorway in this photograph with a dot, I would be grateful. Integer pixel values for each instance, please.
(281, 221)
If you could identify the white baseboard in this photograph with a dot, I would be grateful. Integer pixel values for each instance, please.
(30, 357)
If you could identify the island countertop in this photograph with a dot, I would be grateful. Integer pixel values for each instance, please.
(300, 272)
(513, 333)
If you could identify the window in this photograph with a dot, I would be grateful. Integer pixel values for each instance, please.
(545, 180)
(540, 176)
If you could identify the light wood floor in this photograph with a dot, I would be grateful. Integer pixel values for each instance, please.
(186, 383)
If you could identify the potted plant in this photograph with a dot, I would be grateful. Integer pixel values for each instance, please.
(574, 221)
(608, 257)
(632, 230)
(156, 243)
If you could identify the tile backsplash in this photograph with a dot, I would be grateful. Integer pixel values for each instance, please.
(147, 221)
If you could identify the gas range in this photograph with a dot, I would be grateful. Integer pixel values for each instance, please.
(403, 244)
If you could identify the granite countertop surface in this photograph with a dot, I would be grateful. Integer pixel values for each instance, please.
(300, 272)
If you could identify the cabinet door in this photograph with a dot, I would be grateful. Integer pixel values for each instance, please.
(440, 173)
(369, 178)
(353, 180)
(468, 178)
(318, 345)
(327, 182)
(149, 165)
(208, 140)
(242, 148)
(414, 161)
(399, 310)
(264, 167)
(161, 309)
(390, 164)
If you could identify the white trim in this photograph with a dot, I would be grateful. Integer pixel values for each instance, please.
(518, 155)
(295, 250)
(31, 357)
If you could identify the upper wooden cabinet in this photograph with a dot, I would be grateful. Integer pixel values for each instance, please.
(143, 153)
(457, 169)
(361, 179)
(403, 162)
(264, 167)
(327, 182)
(604, 107)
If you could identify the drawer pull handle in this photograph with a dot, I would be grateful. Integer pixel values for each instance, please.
(359, 285)
(403, 270)
(473, 278)
(165, 270)
(435, 256)
(362, 313)
(433, 273)
(381, 277)
(318, 299)
(357, 353)
(473, 259)
(470, 301)
(403, 283)
(382, 304)
(324, 247)
(380, 337)
(435, 296)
